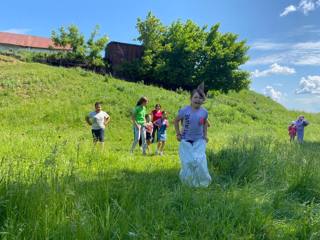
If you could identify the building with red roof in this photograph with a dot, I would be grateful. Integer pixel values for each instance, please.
(14, 42)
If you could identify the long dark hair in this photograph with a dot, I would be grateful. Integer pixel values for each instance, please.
(142, 100)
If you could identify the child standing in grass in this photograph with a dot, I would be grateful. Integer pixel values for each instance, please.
(301, 123)
(193, 139)
(138, 120)
(149, 131)
(156, 114)
(162, 125)
(98, 119)
(292, 131)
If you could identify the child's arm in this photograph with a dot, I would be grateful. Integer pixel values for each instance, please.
(106, 120)
(205, 130)
(208, 123)
(177, 127)
(133, 118)
(157, 123)
(88, 120)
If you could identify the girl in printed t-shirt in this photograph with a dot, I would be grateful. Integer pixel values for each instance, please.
(193, 139)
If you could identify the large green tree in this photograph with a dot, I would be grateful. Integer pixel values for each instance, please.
(152, 37)
(184, 54)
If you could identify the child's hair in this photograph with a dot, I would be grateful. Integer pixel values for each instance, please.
(97, 104)
(147, 116)
(157, 105)
(200, 91)
(164, 113)
(142, 100)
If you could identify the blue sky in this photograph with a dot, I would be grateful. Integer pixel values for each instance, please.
(284, 35)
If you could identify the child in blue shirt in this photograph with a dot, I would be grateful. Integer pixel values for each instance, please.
(162, 125)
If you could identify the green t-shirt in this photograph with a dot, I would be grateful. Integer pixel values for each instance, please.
(139, 113)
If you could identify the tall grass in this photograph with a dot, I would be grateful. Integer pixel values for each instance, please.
(54, 184)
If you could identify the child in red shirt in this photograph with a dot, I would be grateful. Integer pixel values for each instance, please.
(292, 129)
(156, 114)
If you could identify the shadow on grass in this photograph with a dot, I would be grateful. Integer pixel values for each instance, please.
(127, 204)
(255, 182)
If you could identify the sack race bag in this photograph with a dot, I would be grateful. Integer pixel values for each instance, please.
(194, 169)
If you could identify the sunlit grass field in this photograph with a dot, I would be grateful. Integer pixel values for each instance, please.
(55, 185)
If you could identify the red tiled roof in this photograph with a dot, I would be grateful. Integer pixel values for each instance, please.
(23, 40)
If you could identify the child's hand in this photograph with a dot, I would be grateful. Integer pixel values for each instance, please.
(179, 137)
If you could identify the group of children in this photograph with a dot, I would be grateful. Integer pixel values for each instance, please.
(192, 136)
(154, 126)
(296, 128)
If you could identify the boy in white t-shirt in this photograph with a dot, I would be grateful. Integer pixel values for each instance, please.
(98, 120)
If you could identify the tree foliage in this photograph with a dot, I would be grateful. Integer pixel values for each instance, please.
(87, 52)
(184, 55)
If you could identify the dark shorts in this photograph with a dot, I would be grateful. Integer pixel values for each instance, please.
(98, 134)
(148, 136)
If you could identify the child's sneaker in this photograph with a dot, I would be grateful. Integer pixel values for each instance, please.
(161, 153)
(156, 153)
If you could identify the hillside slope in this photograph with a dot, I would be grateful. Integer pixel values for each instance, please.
(62, 96)
(54, 184)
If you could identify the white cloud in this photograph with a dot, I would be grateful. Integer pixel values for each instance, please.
(303, 53)
(307, 45)
(274, 69)
(288, 10)
(269, 91)
(17, 30)
(266, 45)
(312, 59)
(309, 85)
(269, 59)
(307, 6)
(304, 6)
(304, 30)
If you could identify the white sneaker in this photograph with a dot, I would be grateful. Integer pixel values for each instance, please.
(156, 153)
(161, 153)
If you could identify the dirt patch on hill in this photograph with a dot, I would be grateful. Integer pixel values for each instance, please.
(7, 59)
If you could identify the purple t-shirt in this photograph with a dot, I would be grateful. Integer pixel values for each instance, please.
(193, 121)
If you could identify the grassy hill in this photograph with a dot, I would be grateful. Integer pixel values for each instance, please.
(55, 185)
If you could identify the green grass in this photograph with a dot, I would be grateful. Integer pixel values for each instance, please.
(55, 185)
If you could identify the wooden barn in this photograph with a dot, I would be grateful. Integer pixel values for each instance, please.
(118, 53)
(16, 42)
